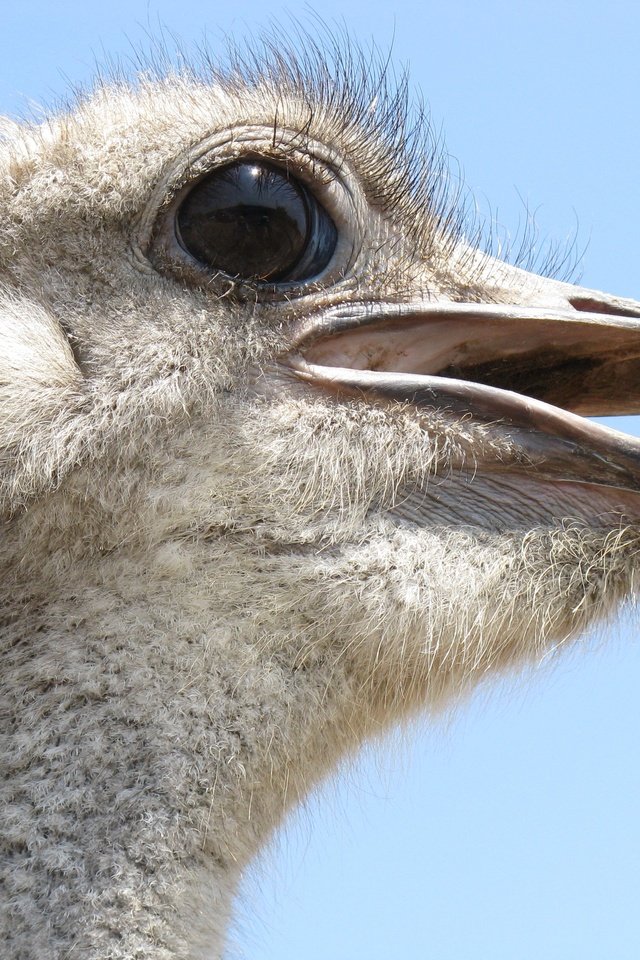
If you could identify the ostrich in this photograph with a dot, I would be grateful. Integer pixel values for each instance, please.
(285, 459)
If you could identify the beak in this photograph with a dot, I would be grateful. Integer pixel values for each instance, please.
(537, 365)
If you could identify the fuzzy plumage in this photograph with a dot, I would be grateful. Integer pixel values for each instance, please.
(215, 582)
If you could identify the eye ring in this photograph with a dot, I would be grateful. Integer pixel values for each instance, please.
(157, 244)
(256, 223)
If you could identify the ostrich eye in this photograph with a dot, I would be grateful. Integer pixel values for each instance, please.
(256, 222)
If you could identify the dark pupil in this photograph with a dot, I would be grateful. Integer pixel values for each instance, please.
(247, 220)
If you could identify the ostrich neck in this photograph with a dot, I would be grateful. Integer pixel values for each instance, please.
(176, 688)
(163, 733)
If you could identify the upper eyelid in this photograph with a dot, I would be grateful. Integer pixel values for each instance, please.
(316, 164)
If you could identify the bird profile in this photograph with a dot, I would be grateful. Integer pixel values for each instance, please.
(285, 458)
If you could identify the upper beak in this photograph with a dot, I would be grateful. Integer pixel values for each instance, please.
(538, 364)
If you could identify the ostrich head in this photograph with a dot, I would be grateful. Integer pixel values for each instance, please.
(284, 458)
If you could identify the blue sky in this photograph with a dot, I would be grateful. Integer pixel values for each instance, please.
(509, 832)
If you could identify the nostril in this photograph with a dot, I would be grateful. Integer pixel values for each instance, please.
(593, 305)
